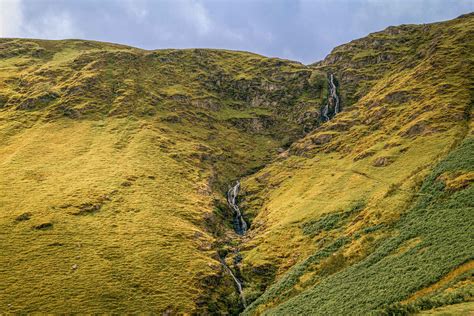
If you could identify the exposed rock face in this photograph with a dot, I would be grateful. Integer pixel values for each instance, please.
(322, 139)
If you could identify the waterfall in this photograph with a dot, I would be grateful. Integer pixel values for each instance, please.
(239, 223)
(326, 111)
(333, 103)
(240, 227)
(333, 93)
(237, 282)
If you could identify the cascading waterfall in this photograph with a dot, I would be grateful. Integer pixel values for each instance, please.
(325, 112)
(239, 223)
(240, 227)
(333, 101)
(237, 282)
(334, 96)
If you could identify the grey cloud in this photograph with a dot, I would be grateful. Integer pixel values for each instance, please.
(303, 30)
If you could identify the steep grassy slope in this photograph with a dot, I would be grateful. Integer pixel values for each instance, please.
(339, 222)
(112, 162)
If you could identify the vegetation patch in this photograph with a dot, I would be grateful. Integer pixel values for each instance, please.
(331, 221)
(437, 222)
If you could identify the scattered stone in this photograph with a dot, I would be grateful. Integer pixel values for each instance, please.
(382, 161)
(43, 226)
(74, 266)
(126, 184)
(87, 208)
(23, 217)
(284, 154)
(56, 244)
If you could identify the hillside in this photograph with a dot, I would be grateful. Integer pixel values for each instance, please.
(113, 160)
(359, 214)
(115, 163)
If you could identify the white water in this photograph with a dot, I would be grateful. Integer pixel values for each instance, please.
(240, 227)
(332, 99)
(333, 91)
(325, 111)
(237, 283)
(239, 222)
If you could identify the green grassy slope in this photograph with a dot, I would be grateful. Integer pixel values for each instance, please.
(330, 214)
(112, 162)
(432, 239)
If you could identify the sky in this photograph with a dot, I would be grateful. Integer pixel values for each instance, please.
(302, 30)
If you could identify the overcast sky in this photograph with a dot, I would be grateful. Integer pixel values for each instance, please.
(304, 30)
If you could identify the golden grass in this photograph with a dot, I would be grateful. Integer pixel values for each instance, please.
(462, 309)
(140, 251)
(468, 266)
(337, 164)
